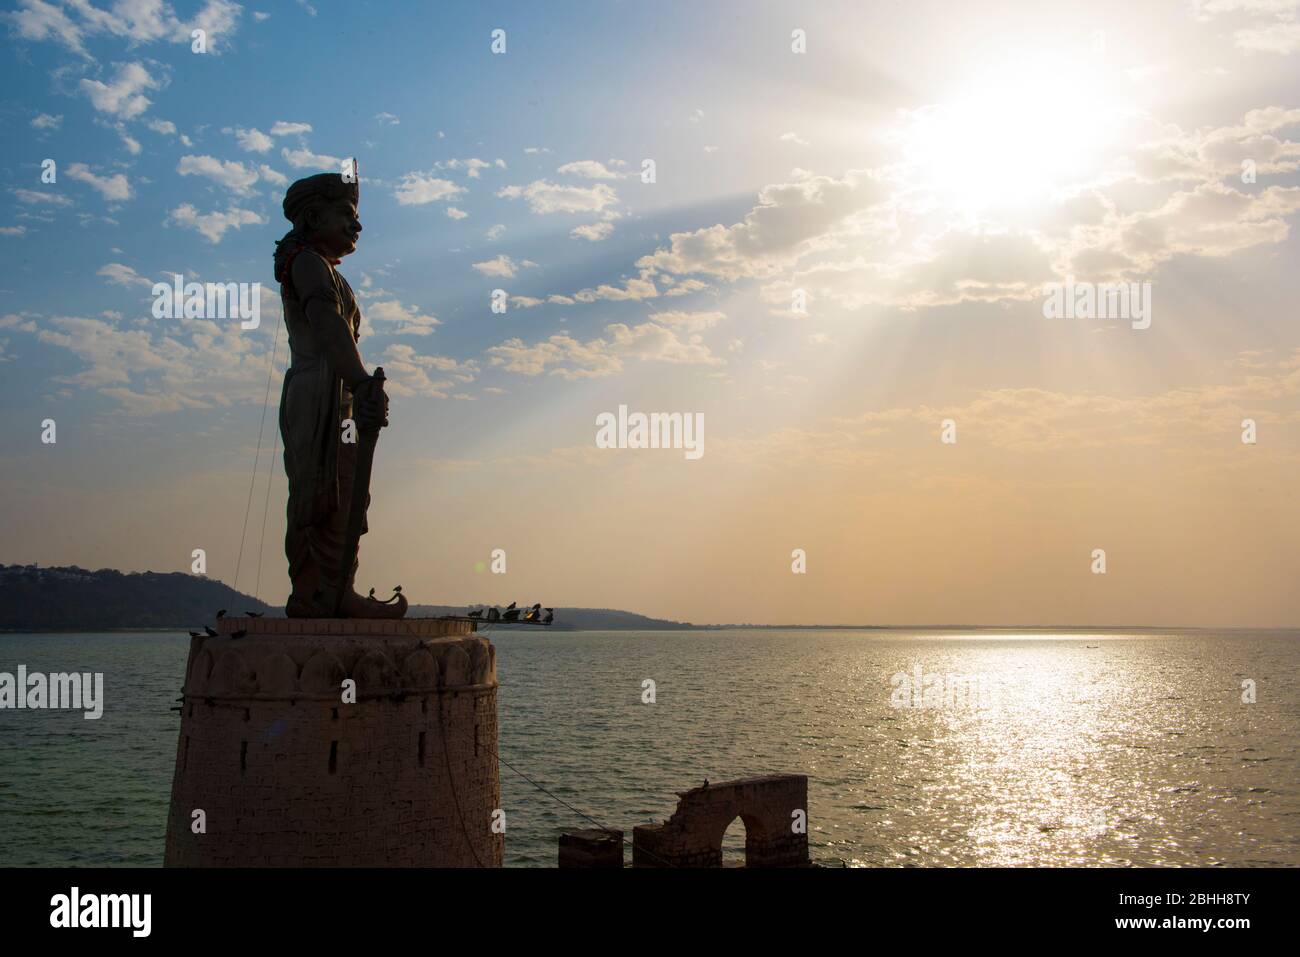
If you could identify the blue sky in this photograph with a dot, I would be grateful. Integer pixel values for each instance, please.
(919, 175)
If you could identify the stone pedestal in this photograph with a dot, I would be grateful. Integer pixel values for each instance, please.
(287, 772)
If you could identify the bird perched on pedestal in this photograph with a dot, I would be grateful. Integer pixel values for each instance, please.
(511, 613)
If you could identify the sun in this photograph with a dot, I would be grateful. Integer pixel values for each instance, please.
(1012, 135)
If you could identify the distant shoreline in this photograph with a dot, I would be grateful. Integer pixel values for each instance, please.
(1082, 629)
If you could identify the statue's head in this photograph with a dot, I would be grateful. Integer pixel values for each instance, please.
(323, 210)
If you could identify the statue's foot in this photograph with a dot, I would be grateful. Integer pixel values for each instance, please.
(299, 607)
(354, 606)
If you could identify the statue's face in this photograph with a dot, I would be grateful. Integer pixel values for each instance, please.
(336, 229)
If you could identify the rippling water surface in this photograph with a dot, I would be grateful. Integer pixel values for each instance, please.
(1079, 749)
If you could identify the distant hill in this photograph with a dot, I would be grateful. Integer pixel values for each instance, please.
(33, 598)
(77, 599)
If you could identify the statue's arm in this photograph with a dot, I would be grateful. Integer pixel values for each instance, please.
(316, 292)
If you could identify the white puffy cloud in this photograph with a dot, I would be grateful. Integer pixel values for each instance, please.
(589, 169)
(125, 96)
(416, 189)
(233, 176)
(409, 372)
(502, 266)
(138, 21)
(113, 187)
(122, 275)
(545, 197)
(253, 140)
(408, 320)
(213, 225)
(306, 159)
(284, 128)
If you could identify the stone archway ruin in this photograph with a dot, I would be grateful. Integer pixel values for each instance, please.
(774, 809)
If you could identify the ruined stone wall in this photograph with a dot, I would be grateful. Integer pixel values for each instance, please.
(287, 774)
(770, 806)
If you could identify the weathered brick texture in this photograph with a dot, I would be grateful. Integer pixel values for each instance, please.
(289, 775)
(692, 837)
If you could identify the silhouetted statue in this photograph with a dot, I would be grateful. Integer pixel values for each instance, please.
(326, 384)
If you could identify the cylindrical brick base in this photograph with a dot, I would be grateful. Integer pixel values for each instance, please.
(337, 743)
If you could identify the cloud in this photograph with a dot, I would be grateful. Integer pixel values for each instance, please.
(274, 177)
(564, 356)
(409, 321)
(544, 197)
(688, 320)
(470, 166)
(213, 225)
(44, 121)
(409, 372)
(233, 176)
(1281, 37)
(124, 97)
(588, 169)
(122, 275)
(37, 20)
(252, 140)
(502, 266)
(34, 197)
(593, 232)
(306, 159)
(789, 218)
(1272, 28)
(455, 213)
(113, 187)
(387, 119)
(13, 230)
(156, 367)
(416, 189)
(163, 127)
(283, 128)
(138, 21)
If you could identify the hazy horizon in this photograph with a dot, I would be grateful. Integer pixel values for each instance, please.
(843, 250)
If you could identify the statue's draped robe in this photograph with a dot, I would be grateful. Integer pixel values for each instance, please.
(318, 463)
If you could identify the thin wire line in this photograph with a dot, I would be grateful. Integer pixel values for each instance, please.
(252, 482)
(561, 800)
(270, 473)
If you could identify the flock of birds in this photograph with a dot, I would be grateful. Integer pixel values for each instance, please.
(213, 633)
(512, 612)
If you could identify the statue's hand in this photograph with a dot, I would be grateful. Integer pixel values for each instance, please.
(370, 405)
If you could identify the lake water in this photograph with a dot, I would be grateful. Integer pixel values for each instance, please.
(1096, 749)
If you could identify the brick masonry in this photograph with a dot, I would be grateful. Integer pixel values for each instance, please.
(289, 775)
(692, 837)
